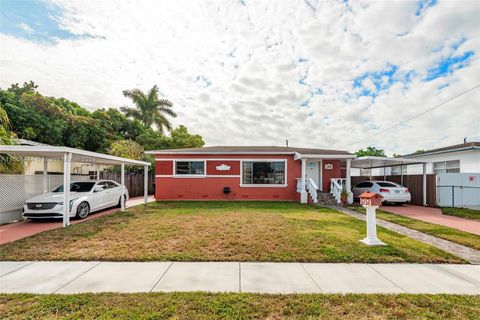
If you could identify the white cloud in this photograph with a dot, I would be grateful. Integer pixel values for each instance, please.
(250, 60)
(25, 27)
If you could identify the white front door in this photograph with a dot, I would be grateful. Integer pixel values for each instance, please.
(313, 171)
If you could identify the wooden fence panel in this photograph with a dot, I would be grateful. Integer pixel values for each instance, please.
(133, 182)
(414, 183)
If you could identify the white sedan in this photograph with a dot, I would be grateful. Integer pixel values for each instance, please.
(390, 191)
(85, 197)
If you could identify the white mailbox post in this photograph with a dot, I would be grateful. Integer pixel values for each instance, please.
(371, 201)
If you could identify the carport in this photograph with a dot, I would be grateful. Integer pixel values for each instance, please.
(67, 155)
(370, 162)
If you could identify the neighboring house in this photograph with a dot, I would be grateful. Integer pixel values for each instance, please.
(460, 158)
(248, 173)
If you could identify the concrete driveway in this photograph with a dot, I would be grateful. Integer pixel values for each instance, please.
(435, 215)
(15, 231)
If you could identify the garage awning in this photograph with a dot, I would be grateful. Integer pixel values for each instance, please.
(382, 162)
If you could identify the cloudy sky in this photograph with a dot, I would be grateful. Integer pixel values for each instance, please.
(322, 74)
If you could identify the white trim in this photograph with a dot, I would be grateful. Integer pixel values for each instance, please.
(58, 152)
(223, 176)
(285, 161)
(263, 185)
(203, 175)
(218, 152)
(299, 156)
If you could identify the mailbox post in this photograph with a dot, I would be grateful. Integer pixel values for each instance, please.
(371, 201)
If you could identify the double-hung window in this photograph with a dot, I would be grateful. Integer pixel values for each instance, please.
(263, 172)
(189, 168)
(452, 166)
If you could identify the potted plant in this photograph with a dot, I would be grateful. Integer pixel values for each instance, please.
(344, 197)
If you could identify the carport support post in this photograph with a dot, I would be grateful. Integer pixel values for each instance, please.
(425, 184)
(303, 191)
(122, 183)
(45, 174)
(67, 158)
(145, 185)
(348, 182)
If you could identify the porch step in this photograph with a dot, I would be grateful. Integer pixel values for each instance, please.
(326, 199)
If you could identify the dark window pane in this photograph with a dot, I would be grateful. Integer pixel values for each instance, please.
(189, 167)
(263, 172)
(386, 185)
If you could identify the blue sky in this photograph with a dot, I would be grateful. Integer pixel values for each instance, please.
(243, 71)
(34, 20)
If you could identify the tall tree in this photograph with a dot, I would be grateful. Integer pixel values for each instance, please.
(370, 151)
(149, 108)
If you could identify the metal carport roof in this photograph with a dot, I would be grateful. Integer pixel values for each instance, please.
(76, 155)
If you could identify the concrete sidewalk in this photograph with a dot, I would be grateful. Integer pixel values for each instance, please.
(77, 277)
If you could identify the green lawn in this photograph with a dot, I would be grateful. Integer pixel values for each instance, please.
(223, 231)
(237, 306)
(454, 235)
(462, 213)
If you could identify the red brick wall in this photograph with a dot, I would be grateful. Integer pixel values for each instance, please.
(211, 188)
(335, 172)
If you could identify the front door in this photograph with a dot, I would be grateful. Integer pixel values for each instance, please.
(314, 171)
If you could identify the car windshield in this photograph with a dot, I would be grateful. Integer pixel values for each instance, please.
(77, 187)
(387, 185)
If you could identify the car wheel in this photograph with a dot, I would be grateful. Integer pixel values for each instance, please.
(83, 210)
(119, 205)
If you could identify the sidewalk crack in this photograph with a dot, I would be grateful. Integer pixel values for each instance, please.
(161, 277)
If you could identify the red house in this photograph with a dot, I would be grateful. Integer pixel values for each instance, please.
(250, 173)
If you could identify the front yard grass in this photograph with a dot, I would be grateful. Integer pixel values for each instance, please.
(451, 234)
(223, 231)
(199, 305)
(462, 213)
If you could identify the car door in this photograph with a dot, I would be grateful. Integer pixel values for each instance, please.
(113, 193)
(98, 197)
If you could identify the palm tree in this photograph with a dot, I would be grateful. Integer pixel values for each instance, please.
(149, 109)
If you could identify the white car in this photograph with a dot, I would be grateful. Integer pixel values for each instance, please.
(390, 191)
(85, 197)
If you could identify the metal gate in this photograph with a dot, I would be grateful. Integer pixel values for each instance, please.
(458, 189)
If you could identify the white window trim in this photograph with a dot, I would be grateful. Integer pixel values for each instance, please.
(175, 175)
(243, 185)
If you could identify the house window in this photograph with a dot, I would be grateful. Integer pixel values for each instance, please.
(396, 170)
(446, 166)
(263, 172)
(189, 167)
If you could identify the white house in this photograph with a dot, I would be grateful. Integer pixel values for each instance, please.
(460, 158)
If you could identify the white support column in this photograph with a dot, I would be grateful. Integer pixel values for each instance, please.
(122, 183)
(98, 171)
(67, 158)
(303, 193)
(348, 183)
(425, 184)
(45, 174)
(145, 185)
(401, 175)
